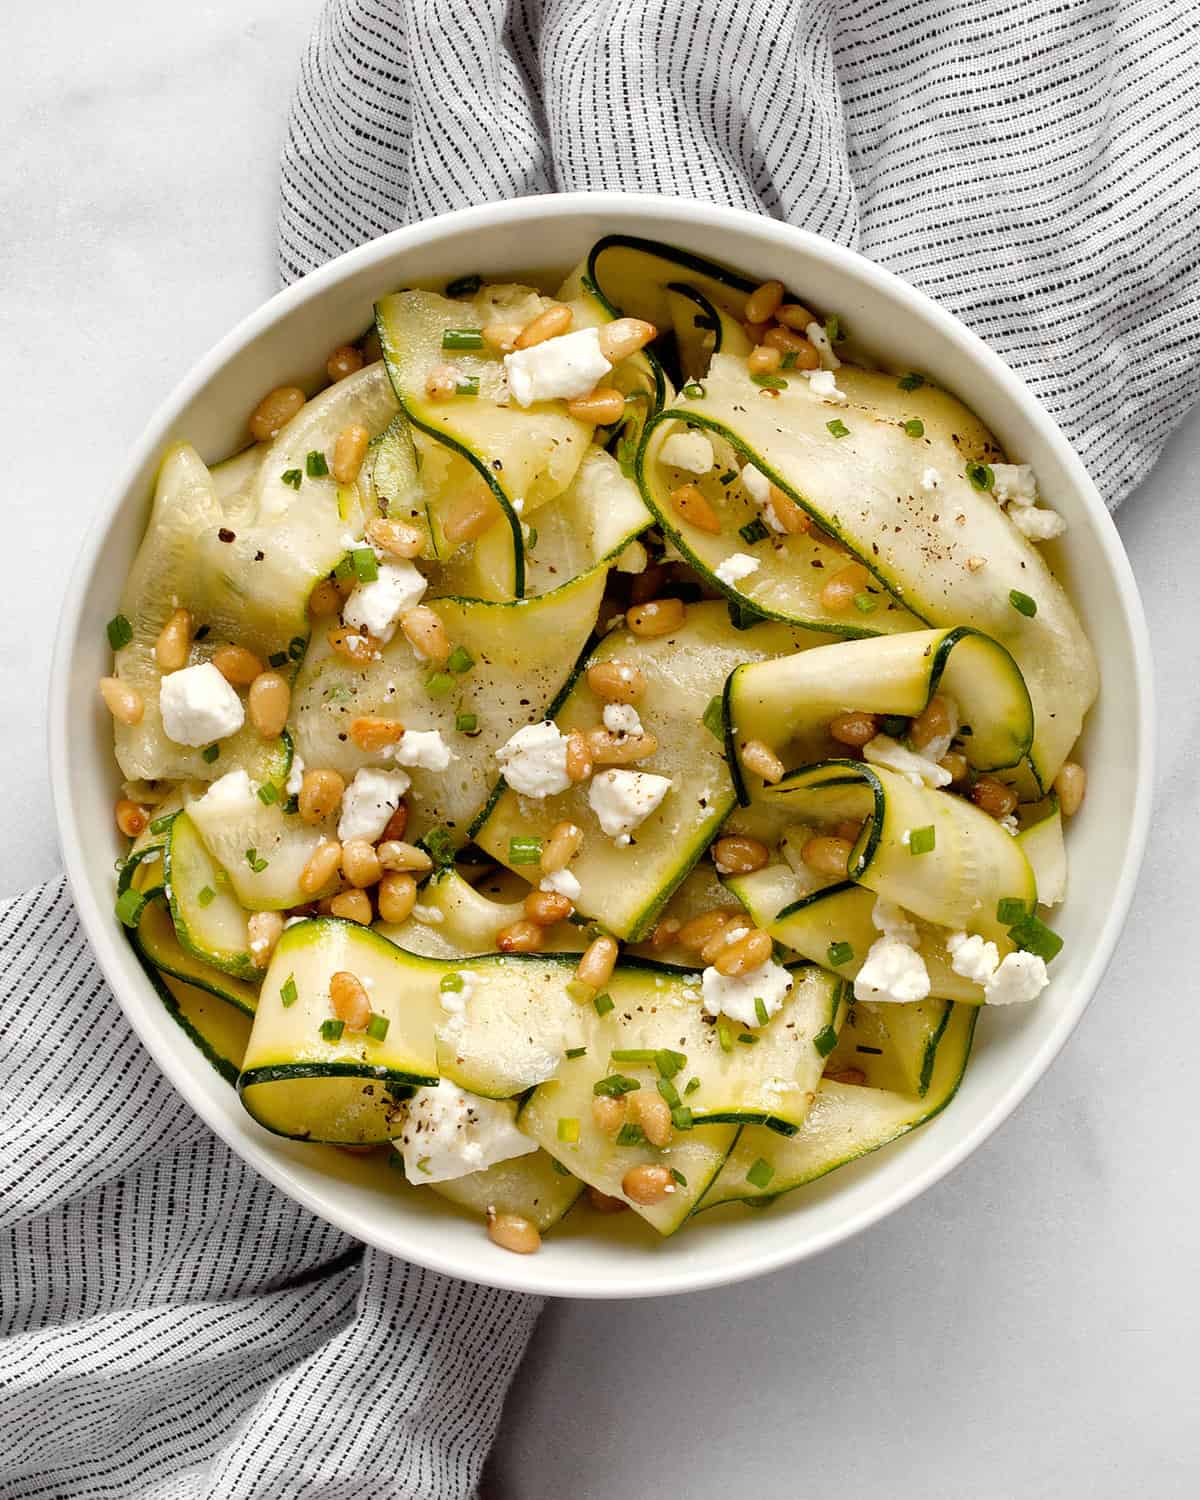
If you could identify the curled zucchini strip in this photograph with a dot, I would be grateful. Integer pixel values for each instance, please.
(533, 1186)
(219, 1031)
(464, 922)
(787, 703)
(158, 942)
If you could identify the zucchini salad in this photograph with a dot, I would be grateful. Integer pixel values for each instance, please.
(608, 744)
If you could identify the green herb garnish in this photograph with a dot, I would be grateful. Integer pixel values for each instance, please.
(922, 840)
(669, 1092)
(838, 428)
(464, 286)
(865, 603)
(753, 531)
(439, 684)
(630, 1135)
(788, 362)
(615, 1085)
(205, 896)
(377, 1027)
(677, 1176)
(466, 723)
(760, 1011)
(725, 1036)
(440, 847)
(574, 1052)
(981, 476)
(682, 1117)
(256, 864)
(467, 385)
(268, 793)
(1010, 909)
(365, 564)
(825, 1041)
(210, 753)
(568, 1130)
(1022, 603)
(713, 718)
(771, 382)
(1032, 934)
(838, 954)
(294, 477)
(314, 464)
(911, 382)
(120, 632)
(460, 660)
(692, 1085)
(462, 338)
(331, 1031)
(524, 851)
(915, 427)
(288, 991)
(760, 1173)
(603, 1003)
(669, 1062)
(747, 1039)
(693, 390)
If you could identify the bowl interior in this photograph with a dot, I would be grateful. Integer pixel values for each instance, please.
(288, 340)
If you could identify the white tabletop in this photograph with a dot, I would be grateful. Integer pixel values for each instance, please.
(1028, 1328)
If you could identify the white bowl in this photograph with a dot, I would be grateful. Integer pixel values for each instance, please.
(288, 339)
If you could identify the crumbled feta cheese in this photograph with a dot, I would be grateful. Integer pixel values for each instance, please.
(563, 367)
(972, 956)
(448, 1133)
(819, 339)
(422, 747)
(1038, 522)
(518, 504)
(369, 801)
(1010, 824)
(756, 483)
(295, 778)
(623, 800)
(1020, 977)
(634, 559)
(376, 607)
(454, 1002)
(892, 756)
(894, 972)
(198, 706)
(622, 718)
(823, 383)
(894, 922)
(734, 995)
(1014, 484)
(561, 883)
(737, 567)
(688, 449)
(931, 479)
(534, 760)
(228, 793)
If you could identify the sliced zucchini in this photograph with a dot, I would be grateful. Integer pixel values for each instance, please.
(534, 1186)
(593, 521)
(895, 1046)
(787, 703)
(625, 888)
(156, 938)
(397, 485)
(146, 850)
(219, 1031)
(860, 475)
(639, 276)
(1041, 837)
(208, 918)
(457, 921)
(702, 328)
(699, 891)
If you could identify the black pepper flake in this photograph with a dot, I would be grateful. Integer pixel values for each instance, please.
(225, 535)
(258, 556)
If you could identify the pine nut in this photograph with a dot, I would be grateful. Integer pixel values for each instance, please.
(698, 931)
(394, 854)
(396, 537)
(764, 360)
(122, 701)
(603, 1204)
(608, 1113)
(352, 906)
(738, 855)
(547, 325)
(345, 360)
(609, 749)
(426, 633)
(349, 450)
(656, 617)
(372, 734)
(788, 342)
(360, 863)
(695, 509)
(625, 336)
(666, 932)
(547, 907)
(397, 824)
(325, 599)
(349, 1000)
(1070, 784)
(236, 665)
(579, 756)
(174, 641)
(131, 819)
(268, 704)
(471, 517)
(847, 829)
(794, 315)
(275, 411)
(354, 646)
(441, 383)
(756, 332)
(616, 681)
(564, 843)
(321, 868)
(502, 337)
(522, 936)
(648, 584)
(993, 797)
(931, 723)
(601, 408)
(598, 962)
(839, 593)
(762, 760)
(652, 1112)
(854, 728)
(957, 764)
(513, 1232)
(794, 520)
(320, 796)
(826, 855)
(736, 928)
(847, 1075)
(396, 896)
(748, 953)
(764, 302)
(647, 1183)
(263, 931)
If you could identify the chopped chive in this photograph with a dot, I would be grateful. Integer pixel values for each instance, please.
(728, 477)
(1032, 934)
(682, 1117)
(366, 567)
(713, 718)
(753, 531)
(331, 1031)
(911, 382)
(278, 658)
(579, 989)
(160, 825)
(1022, 603)
(268, 793)
(466, 723)
(460, 660)
(873, 1051)
(603, 1003)
(467, 385)
(296, 647)
(838, 954)
(314, 464)
(524, 851)
(288, 991)
(210, 753)
(669, 1062)
(129, 907)
(439, 684)
(1010, 909)
(531, 537)
(574, 1052)
(725, 1036)
(838, 428)
(632, 1054)
(343, 569)
(464, 286)
(747, 1039)
(557, 1166)
(669, 1092)
(694, 391)
(568, 1130)
(834, 331)
(981, 476)
(865, 603)
(789, 360)
(615, 1085)
(692, 1085)
(677, 1176)
(894, 725)
(423, 1165)
(120, 632)
(256, 864)
(922, 840)
(205, 896)
(630, 1135)
(915, 427)
(451, 983)
(825, 1041)
(294, 477)
(760, 1011)
(462, 338)
(760, 1173)
(440, 847)
(221, 875)
(771, 382)
(377, 1026)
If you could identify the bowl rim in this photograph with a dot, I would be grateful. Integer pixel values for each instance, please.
(512, 1272)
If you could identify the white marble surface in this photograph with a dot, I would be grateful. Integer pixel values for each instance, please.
(1027, 1329)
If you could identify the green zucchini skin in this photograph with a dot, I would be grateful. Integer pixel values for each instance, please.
(157, 940)
(217, 1030)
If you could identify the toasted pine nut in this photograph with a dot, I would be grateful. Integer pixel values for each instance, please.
(764, 360)
(360, 863)
(564, 843)
(794, 520)
(122, 701)
(1070, 784)
(695, 509)
(513, 1232)
(625, 336)
(397, 824)
(396, 896)
(501, 336)
(603, 1204)
(957, 764)
(394, 854)
(652, 1112)
(320, 796)
(656, 617)
(647, 1183)
(345, 360)
(734, 930)
(174, 641)
(648, 584)
(579, 756)
(396, 537)
(930, 723)
(236, 665)
(788, 342)
(854, 728)
(275, 411)
(756, 332)
(349, 450)
(325, 599)
(794, 315)
(354, 646)
(522, 936)
(847, 829)
(826, 855)
(665, 933)
(547, 325)
(616, 681)
(372, 734)
(547, 907)
(598, 962)
(609, 749)
(441, 383)
(608, 1113)
(763, 303)
(321, 867)
(471, 517)
(736, 854)
(268, 704)
(603, 406)
(352, 906)
(263, 931)
(131, 819)
(748, 953)
(698, 930)
(426, 633)
(838, 594)
(993, 797)
(847, 1075)
(349, 999)
(762, 760)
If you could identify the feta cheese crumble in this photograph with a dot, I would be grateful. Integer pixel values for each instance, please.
(823, 383)
(622, 718)
(1038, 522)
(563, 367)
(369, 801)
(892, 756)
(931, 479)
(376, 607)
(972, 956)
(757, 485)
(448, 1133)
(819, 339)
(623, 800)
(893, 970)
(198, 706)
(422, 747)
(295, 780)
(1014, 980)
(688, 449)
(734, 995)
(737, 567)
(561, 883)
(1014, 484)
(534, 760)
